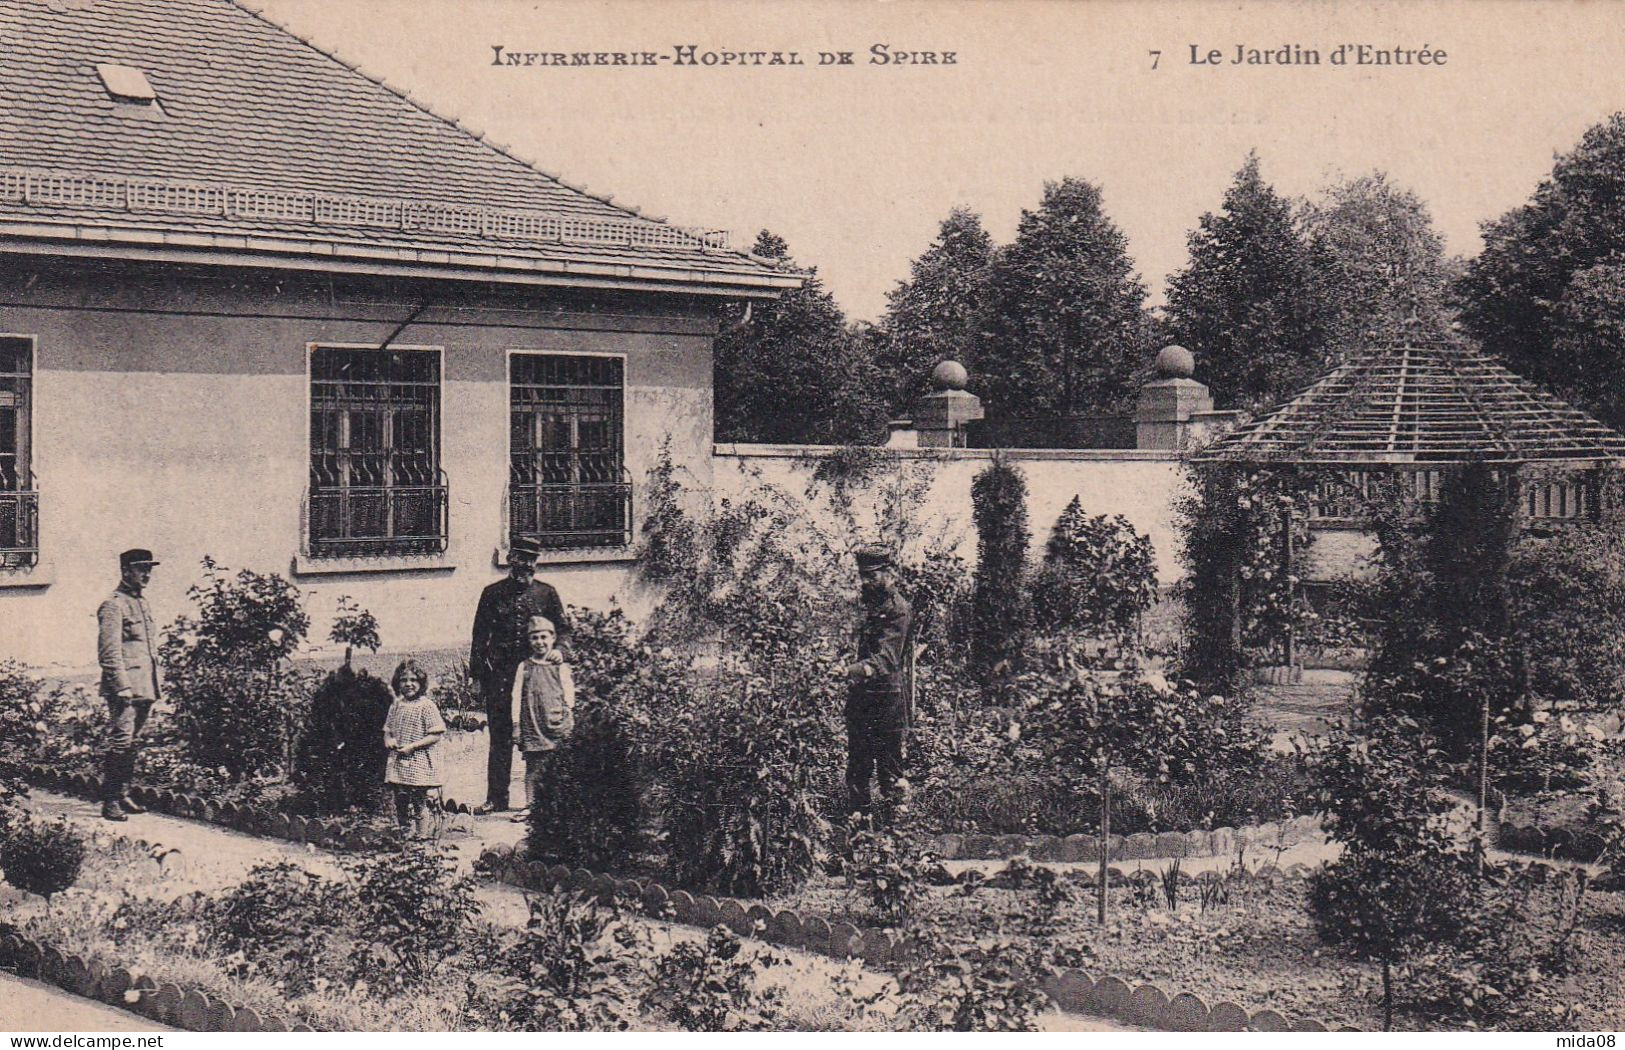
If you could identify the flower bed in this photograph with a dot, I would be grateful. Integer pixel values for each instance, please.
(823, 919)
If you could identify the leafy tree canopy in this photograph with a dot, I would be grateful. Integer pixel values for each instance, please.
(1065, 329)
(1546, 293)
(1380, 259)
(1248, 303)
(793, 371)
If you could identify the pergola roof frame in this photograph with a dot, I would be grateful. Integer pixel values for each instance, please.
(1420, 403)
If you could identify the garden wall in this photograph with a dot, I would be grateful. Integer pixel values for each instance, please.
(1142, 485)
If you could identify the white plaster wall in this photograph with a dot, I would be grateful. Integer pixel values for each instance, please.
(1141, 486)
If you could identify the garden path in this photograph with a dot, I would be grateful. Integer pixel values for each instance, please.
(214, 857)
(32, 1006)
(1305, 708)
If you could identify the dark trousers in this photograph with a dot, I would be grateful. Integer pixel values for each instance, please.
(125, 718)
(872, 751)
(499, 731)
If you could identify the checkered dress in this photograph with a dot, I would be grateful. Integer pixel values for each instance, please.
(408, 722)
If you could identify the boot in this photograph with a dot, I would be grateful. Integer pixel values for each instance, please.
(113, 811)
(127, 774)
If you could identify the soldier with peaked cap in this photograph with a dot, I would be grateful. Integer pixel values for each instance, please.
(880, 699)
(126, 648)
(499, 646)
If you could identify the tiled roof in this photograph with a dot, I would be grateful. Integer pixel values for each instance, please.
(1417, 400)
(248, 107)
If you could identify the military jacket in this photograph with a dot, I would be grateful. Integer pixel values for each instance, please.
(126, 645)
(886, 652)
(500, 622)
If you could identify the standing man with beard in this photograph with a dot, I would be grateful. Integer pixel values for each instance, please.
(880, 699)
(500, 644)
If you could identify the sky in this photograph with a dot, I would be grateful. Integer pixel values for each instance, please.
(857, 164)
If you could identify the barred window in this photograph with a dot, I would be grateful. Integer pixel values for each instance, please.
(567, 481)
(19, 498)
(376, 487)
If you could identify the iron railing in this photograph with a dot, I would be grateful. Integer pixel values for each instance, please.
(377, 521)
(19, 527)
(566, 516)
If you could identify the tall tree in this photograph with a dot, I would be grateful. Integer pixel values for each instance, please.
(1546, 293)
(793, 372)
(1065, 326)
(1381, 261)
(1248, 302)
(933, 315)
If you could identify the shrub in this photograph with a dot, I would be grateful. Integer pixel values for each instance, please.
(1541, 754)
(455, 690)
(1568, 601)
(1445, 644)
(1402, 883)
(1098, 578)
(751, 773)
(1499, 970)
(42, 857)
(341, 759)
(590, 809)
(236, 705)
(954, 984)
(280, 921)
(890, 866)
(1001, 609)
(576, 968)
(712, 986)
(1169, 733)
(412, 908)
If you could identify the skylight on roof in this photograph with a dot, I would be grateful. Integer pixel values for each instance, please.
(126, 83)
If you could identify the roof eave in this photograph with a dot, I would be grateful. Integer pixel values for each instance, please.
(88, 240)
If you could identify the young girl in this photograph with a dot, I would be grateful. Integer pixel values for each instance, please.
(544, 700)
(412, 729)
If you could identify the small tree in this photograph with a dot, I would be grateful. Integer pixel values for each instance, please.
(1099, 576)
(1001, 607)
(1403, 883)
(341, 756)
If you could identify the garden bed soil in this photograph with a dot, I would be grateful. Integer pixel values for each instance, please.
(1259, 950)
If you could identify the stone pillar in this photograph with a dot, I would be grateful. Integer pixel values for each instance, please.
(1162, 418)
(940, 416)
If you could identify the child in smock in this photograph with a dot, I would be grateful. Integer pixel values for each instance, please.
(412, 732)
(544, 700)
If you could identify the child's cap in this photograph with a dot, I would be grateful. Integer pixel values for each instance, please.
(539, 623)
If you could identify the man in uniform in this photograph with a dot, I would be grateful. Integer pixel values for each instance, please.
(126, 650)
(880, 699)
(500, 645)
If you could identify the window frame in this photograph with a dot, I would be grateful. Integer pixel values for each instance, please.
(340, 549)
(27, 498)
(557, 550)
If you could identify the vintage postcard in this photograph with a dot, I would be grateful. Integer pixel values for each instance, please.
(821, 515)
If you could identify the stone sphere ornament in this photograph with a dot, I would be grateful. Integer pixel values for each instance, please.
(949, 375)
(1175, 362)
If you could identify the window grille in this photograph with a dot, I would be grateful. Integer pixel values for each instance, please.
(567, 481)
(19, 495)
(376, 487)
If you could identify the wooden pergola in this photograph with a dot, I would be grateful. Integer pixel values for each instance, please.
(1419, 406)
(1412, 408)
